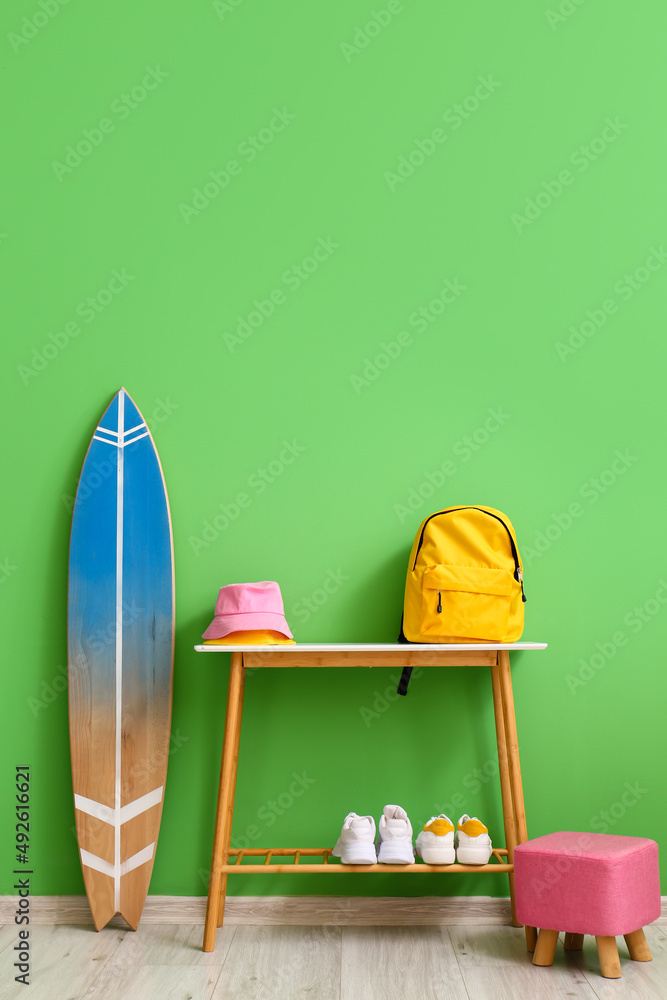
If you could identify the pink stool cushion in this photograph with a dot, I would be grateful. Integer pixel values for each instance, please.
(587, 883)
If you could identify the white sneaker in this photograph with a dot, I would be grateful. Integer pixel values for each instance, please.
(473, 844)
(356, 844)
(435, 843)
(395, 837)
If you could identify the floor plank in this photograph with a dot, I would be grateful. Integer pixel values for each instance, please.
(282, 963)
(392, 963)
(525, 982)
(172, 944)
(72, 957)
(162, 961)
(155, 982)
(9, 934)
(489, 946)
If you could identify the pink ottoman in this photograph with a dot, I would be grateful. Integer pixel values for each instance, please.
(588, 883)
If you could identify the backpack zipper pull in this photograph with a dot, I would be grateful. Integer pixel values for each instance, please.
(518, 575)
(439, 603)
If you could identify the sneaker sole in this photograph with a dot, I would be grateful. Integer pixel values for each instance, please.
(473, 855)
(395, 854)
(357, 854)
(437, 855)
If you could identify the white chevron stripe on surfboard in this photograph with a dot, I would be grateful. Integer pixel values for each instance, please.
(137, 438)
(114, 817)
(124, 437)
(117, 871)
(123, 444)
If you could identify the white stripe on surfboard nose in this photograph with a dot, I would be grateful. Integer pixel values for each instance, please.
(116, 817)
(123, 439)
(117, 871)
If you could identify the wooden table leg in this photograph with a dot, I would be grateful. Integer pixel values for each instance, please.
(225, 808)
(230, 811)
(512, 746)
(505, 784)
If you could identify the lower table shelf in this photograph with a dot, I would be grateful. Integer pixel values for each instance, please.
(295, 867)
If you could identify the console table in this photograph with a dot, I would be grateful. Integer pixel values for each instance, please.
(308, 860)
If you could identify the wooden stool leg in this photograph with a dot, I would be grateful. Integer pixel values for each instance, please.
(225, 808)
(531, 938)
(638, 946)
(545, 949)
(574, 942)
(505, 785)
(610, 965)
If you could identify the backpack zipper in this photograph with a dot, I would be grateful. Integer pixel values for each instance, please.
(518, 575)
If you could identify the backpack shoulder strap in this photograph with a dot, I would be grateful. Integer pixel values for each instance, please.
(407, 671)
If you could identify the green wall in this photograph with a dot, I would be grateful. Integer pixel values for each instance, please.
(432, 263)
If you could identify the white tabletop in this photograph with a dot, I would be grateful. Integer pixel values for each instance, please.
(368, 647)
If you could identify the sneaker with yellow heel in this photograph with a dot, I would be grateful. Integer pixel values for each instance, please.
(435, 843)
(473, 844)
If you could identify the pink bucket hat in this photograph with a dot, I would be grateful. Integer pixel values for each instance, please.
(244, 606)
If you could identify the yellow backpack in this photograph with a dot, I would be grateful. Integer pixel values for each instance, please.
(465, 579)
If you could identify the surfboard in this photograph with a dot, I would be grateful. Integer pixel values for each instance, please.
(120, 640)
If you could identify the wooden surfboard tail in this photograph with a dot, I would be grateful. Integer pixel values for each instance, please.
(120, 660)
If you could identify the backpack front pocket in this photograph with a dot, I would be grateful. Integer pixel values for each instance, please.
(466, 601)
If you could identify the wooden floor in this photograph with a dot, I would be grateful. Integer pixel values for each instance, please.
(165, 962)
